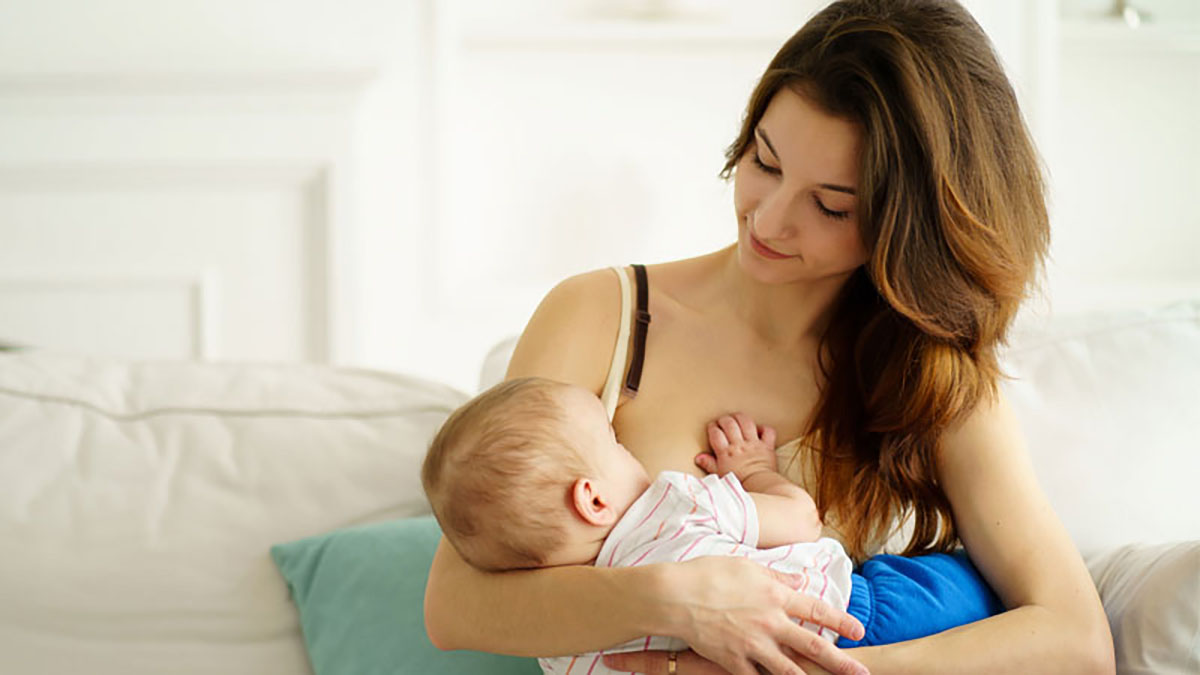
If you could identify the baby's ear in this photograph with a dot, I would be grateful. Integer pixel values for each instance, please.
(593, 507)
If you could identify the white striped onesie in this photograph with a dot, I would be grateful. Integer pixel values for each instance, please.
(681, 517)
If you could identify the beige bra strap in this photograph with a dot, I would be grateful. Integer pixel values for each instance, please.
(612, 386)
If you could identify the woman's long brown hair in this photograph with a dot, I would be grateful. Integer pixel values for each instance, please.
(951, 208)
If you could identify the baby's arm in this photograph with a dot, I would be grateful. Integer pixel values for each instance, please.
(787, 514)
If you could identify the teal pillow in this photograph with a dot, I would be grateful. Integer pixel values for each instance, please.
(360, 592)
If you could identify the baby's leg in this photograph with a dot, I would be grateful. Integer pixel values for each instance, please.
(898, 598)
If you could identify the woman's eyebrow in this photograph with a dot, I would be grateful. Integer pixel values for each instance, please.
(763, 135)
(838, 188)
(828, 186)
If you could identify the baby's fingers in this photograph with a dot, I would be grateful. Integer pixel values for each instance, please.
(717, 438)
(767, 434)
(733, 430)
(706, 461)
(746, 426)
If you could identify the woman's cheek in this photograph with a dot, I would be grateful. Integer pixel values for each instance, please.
(852, 243)
(748, 195)
(740, 189)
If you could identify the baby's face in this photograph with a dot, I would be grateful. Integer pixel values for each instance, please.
(587, 420)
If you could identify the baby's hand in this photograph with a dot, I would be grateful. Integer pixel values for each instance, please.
(738, 445)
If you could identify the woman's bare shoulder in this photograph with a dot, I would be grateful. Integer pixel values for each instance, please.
(571, 335)
(689, 282)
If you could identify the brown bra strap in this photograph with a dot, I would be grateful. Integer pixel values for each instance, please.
(641, 325)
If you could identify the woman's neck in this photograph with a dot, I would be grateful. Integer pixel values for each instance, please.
(778, 314)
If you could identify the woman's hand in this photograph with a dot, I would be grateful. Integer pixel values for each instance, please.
(736, 613)
(688, 663)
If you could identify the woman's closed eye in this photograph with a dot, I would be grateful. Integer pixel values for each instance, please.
(774, 171)
(837, 215)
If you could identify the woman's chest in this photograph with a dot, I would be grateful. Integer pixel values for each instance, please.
(690, 379)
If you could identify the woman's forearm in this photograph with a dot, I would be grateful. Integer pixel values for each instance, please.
(1029, 639)
(545, 612)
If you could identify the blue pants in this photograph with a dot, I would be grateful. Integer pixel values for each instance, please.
(898, 598)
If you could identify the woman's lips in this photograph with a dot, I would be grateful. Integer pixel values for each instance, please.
(762, 249)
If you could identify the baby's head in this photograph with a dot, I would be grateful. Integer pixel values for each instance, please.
(529, 474)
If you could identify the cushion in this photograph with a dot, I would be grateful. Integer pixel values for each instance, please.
(138, 502)
(360, 592)
(1152, 597)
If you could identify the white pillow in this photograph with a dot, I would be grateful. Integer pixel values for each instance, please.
(1152, 597)
(1108, 405)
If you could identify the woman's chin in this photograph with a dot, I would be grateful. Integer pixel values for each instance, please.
(762, 270)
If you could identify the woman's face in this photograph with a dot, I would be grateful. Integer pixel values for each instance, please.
(794, 193)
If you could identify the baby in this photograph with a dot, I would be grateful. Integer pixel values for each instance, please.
(530, 474)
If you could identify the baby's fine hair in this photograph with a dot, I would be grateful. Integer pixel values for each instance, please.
(498, 474)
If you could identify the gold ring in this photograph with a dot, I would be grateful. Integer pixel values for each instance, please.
(672, 662)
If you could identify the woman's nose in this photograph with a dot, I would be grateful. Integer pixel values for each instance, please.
(774, 218)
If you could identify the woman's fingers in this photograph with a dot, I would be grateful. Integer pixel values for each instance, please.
(808, 608)
(778, 663)
(793, 581)
(743, 614)
(657, 663)
(809, 667)
(821, 651)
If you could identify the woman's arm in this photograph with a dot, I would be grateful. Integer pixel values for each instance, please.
(742, 617)
(557, 610)
(546, 612)
(1055, 622)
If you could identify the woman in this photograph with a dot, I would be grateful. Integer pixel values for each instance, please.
(890, 218)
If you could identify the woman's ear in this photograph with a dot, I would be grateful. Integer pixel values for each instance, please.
(592, 506)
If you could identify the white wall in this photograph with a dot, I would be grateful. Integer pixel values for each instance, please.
(1124, 167)
(396, 184)
(573, 139)
(208, 178)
